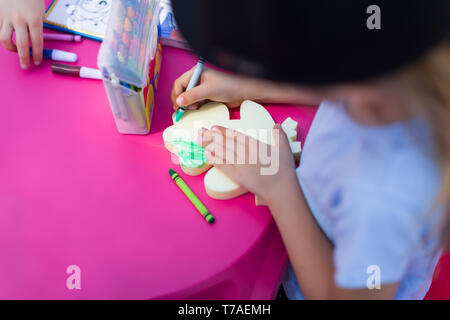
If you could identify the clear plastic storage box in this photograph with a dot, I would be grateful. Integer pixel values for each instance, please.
(130, 60)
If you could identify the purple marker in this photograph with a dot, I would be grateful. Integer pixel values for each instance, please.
(62, 37)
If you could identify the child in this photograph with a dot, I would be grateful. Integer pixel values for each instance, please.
(365, 214)
(25, 18)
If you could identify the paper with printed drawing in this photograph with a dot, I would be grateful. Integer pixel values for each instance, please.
(88, 18)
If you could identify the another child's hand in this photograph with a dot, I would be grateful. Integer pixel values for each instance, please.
(262, 169)
(213, 85)
(23, 17)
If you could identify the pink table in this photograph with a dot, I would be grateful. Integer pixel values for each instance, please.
(73, 191)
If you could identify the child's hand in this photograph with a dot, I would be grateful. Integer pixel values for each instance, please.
(213, 85)
(22, 16)
(262, 169)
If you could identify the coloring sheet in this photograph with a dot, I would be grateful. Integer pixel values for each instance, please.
(86, 17)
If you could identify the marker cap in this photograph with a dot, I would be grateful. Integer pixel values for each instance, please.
(59, 55)
(90, 73)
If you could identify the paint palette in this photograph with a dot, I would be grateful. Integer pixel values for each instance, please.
(129, 59)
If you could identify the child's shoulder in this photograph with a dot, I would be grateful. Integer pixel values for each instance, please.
(402, 160)
(389, 167)
(403, 176)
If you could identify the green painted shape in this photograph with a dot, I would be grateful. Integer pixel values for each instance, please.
(191, 154)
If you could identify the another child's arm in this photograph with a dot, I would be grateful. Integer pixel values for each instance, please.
(22, 17)
(232, 90)
(309, 250)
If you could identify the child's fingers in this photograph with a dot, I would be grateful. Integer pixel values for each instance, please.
(216, 154)
(220, 135)
(196, 94)
(179, 85)
(37, 42)
(186, 77)
(219, 163)
(211, 157)
(193, 106)
(280, 136)
(236, 147)
(204, 137)
(245, 147)
(197, 105)
(22, 44)
(6, 37)
(233, 144)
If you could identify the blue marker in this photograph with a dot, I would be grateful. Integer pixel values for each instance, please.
(192, 83)
(58, 55)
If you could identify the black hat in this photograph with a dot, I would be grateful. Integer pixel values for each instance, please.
(312, 41)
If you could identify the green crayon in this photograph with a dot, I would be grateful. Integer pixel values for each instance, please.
(191, 196)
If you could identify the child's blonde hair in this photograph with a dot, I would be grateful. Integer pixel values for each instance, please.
(429, 78)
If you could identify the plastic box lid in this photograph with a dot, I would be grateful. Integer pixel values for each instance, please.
(130, 41)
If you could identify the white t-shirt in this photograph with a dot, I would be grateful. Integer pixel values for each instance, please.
(371, 189)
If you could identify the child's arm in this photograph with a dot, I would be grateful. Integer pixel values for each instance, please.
(309, 250)
(232, 90)
(25, 18)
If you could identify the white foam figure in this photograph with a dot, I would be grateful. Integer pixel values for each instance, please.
(255, 121)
